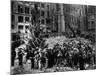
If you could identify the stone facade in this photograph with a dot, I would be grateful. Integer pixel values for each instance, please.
(53, 17)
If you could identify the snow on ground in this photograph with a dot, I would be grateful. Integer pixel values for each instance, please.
(62, 39)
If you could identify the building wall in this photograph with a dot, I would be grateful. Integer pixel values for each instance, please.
(91, 19)
(79, 17)
(53, 16)
(21, 18)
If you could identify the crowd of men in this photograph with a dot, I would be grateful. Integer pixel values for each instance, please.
(74, 54)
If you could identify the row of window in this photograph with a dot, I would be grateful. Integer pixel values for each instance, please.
(43, 13)
(20, 27)
(47, 21)
(27, 19)
(21, 9)
(20, 18)
(27, 9)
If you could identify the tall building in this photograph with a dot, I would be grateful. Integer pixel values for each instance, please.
(20, 17)
(91, 16)
(52, 17)
(80, 17)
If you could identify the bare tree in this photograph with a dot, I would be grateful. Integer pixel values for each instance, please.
(35, 28)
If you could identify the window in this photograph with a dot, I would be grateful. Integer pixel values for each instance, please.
(12, 26)
(27, 19)
(48, 7)
(42, 5)
(48, 13)
(20, 18)
(26, 10)
(26, 27)
(91, 25)
(20, 27)
(56, 27)
(57, 7)
(13, 18)
(42, 21)
(42, 13)
(92, 22)
(20, 9)
(91, 9)
(12, 6)
(48, 28)
(36, 6)
(47, 21)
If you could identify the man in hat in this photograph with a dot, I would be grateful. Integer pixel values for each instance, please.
(20, 57)
(36, 56)
(40, 58)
